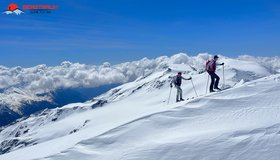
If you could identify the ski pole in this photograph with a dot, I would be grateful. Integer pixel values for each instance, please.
(207, 84)
(169, 95)
(194, 88)
(224, 76)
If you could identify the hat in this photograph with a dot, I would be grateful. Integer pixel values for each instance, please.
(179, 72)
(216, 57)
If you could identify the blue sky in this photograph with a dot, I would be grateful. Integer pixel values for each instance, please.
(95, 31)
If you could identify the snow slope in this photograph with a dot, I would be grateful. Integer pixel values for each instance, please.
(28, 90)
(133, 121)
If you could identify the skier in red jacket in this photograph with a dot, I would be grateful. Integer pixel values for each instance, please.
(211, 69)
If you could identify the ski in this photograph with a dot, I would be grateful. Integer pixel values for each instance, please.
(190, 98)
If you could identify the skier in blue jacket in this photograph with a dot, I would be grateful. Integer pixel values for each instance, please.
(177, 81)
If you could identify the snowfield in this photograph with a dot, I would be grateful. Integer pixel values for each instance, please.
(134, 121)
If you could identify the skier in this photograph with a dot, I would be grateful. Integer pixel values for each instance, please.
(177, 80)
(211, 69)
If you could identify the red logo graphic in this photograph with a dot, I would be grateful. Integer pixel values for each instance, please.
(13, 9)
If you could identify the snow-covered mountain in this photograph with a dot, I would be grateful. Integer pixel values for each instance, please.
(27, 90)
(133, 121)
(16, 12)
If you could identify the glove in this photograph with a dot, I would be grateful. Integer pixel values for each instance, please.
(190, 78)
(171, 85)
(222, 63)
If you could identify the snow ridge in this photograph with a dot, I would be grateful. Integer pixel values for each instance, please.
(133, 121)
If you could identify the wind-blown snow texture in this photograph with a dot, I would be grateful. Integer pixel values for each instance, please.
(135, 121)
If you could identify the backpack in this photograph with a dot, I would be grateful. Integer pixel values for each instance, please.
(177, 81)
(210, 66)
